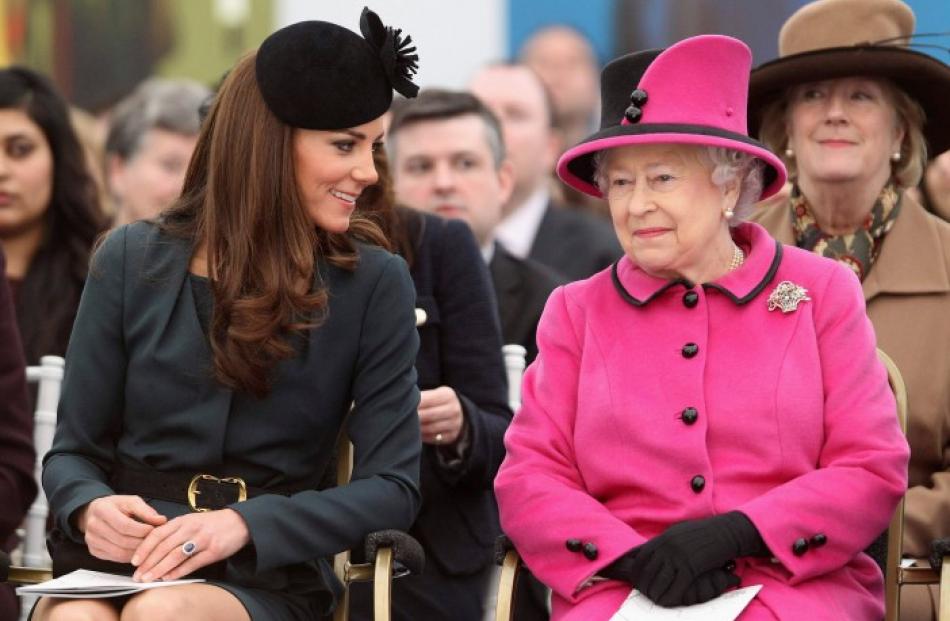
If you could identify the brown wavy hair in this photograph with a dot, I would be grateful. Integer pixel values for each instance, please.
(401, 225)
(240, 204)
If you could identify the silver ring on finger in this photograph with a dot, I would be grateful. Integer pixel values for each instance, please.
(189, 547)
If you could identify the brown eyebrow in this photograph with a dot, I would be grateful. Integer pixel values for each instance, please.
(359, 135)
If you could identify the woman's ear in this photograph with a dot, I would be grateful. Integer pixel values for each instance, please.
(730, 196)
(731, 189)
(900, 132)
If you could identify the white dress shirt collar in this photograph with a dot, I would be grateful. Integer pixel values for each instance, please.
(518, 230)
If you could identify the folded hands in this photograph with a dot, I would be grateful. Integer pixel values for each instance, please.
(125, 529)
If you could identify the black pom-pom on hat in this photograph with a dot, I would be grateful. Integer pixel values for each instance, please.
(395, 51)
(319, 75)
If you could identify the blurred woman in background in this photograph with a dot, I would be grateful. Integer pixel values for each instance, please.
(853, 113)
(49, 210)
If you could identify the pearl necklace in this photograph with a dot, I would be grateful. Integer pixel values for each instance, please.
(738, 257)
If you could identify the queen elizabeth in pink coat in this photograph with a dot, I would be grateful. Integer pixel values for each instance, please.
(710, 412)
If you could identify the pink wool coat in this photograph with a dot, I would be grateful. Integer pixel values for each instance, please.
(792, 423)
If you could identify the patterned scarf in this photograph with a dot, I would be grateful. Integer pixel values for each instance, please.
(857, 250)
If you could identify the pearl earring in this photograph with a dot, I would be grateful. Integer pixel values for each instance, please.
(728, 213)
(896, 156)
(789, 154)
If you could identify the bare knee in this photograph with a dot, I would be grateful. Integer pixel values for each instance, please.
(158, 605)
(50, 609)
(202, 602)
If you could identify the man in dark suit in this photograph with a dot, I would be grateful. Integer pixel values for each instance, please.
(17, 486)
(522, 286)
(448, 158)
(571, 242)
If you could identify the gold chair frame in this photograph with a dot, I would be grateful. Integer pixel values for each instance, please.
(897, 576)
(380, 572)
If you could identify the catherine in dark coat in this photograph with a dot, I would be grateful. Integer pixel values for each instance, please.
(239, 337)
(17, 487)
(138, 340)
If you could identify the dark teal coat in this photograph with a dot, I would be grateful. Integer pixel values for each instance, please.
(138, 390)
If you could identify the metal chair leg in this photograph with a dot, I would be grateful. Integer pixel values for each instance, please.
(382, 585)
(340, 563)
(944, 613)
(505, 606)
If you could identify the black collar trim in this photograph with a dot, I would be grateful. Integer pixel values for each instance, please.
(769, 276)
(636, 302)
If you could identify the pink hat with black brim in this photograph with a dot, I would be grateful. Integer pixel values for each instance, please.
(692, 93)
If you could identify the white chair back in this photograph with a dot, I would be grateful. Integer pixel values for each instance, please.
(49, 376)
(514, 366)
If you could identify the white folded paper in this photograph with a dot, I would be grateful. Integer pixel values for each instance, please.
(94, 584)
(726, 607)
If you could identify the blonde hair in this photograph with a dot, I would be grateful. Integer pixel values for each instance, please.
(910, 115)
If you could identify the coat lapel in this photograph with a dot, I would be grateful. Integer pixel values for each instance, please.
(180, 338)
(508, 287)
(911, 259)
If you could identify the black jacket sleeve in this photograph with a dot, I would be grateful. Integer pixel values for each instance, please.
(470, 356)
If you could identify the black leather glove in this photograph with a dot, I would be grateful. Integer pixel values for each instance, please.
(665, 567)
(708, 586)
(620, 569)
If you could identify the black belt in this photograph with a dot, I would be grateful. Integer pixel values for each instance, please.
(200, 491)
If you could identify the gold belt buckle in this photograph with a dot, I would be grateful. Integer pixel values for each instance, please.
(193, 489)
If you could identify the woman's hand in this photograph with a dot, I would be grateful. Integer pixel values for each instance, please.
(440, 416)
(665, 567)
(216, 535)
(703, 588)
(707, 586)
(115, 526)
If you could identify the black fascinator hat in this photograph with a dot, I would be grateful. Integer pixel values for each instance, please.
(318, 75)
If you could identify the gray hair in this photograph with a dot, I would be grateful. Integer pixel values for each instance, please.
(726, 165)
(157, 103)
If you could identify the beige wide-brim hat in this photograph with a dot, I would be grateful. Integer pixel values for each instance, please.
(839, 38)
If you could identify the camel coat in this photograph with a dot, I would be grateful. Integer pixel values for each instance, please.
(907, 293)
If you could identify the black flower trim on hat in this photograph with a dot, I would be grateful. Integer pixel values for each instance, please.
(395, 50)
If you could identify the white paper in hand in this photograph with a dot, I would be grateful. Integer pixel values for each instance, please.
(726, 607)
(83, 583)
